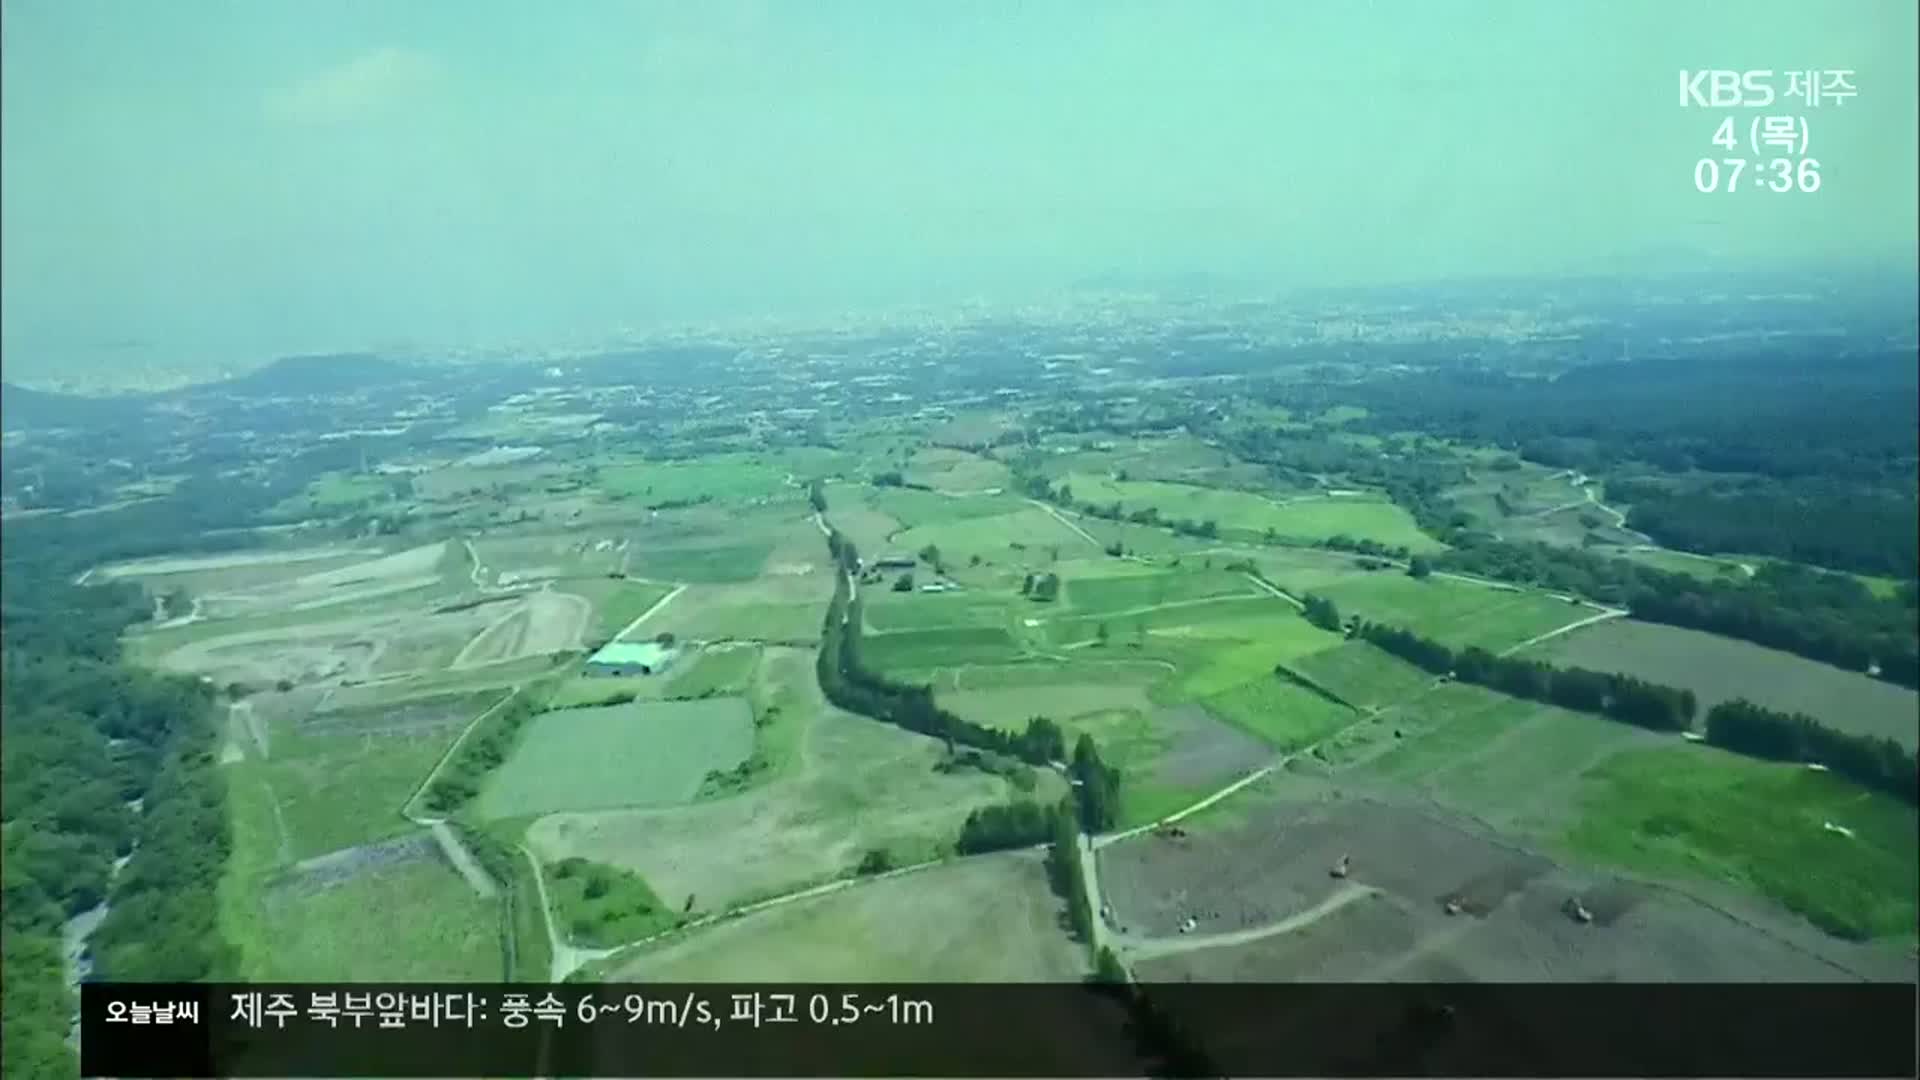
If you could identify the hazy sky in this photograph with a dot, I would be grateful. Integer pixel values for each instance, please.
(188, 177)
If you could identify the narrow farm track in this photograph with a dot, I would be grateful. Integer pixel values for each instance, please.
(649, 613)
(1609, 613)
(567, 958)
(1275, 590)
(1064, 520)
(462, 859)
(443, 834)
(1146, 948)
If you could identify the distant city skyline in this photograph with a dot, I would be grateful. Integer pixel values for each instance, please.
(211, 183)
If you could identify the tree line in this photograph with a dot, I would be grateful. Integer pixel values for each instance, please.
(1823, 616)
(484, 751)
(1620, 697)
(1740, 726)
(849, 684)
(1756, 731)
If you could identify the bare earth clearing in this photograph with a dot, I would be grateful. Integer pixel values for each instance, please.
(1275, 863)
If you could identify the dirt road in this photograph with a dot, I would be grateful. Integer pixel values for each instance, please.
(1069, 523)
(650, 612)
(1275, 590)
(1609, 613)
(461, 858)
(1138, 948)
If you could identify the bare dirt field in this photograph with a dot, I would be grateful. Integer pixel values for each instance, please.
(1718, 669)
(542, 622)
(196, 564)
(1203, 751)
(1276, 861)
(986, 919)
(323, 577)
(336, 650)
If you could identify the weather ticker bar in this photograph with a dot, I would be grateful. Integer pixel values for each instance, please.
(990, 1030)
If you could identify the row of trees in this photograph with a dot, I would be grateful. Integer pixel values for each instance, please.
(1322, 612)
(1872, 762)
(1740, 726)
(849, 684)
(1018, 824)
(1066, 872)
(1622, 697)
(1823, 616)
(484, 751)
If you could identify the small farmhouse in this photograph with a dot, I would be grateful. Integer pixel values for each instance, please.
(630, 658)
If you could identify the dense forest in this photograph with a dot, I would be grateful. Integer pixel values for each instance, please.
(103, 763)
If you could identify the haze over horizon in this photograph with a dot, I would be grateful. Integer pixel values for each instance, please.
(227, 181)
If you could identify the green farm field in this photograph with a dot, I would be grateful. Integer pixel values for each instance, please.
(708, 613)
(1362, 673)
(887, 610)
(919, 509)
(993, 538)
(937, 648)
(619, 755)
(1252, 653)
(955, 470)
(1457, 613)
(716, 671)
(1283, 714)
(338, 787)
(1246, 513)
(1698, 812)
(1718, 669)
(730, 479)
(715, 564)
(991, 918)
(415, 921)
(845, 785)
(1105, 595)
(616, 603)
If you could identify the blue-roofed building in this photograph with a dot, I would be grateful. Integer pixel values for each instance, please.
(630, 658)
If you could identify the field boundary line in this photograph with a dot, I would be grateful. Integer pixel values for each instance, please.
(1277, 591)
(825, 888)
(649, 613)
(406, 808)
(1062, 519)
(460, 661)
(1609, 613)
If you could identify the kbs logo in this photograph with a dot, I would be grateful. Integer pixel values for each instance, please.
(1716, 89)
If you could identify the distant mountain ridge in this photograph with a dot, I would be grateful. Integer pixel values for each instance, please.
(298, 376)
(23, 408)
